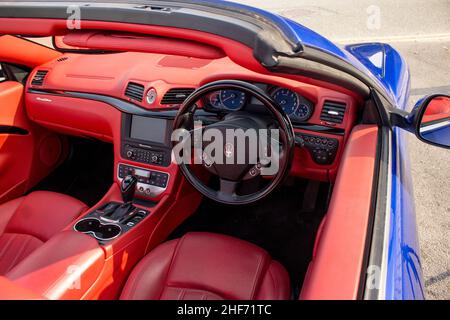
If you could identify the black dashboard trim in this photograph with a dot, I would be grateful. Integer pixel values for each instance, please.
(319, 128)
(13, 130)
(119, 104)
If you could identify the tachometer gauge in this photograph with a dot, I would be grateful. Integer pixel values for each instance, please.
(232, 99)
(287, 100)
(292, 104)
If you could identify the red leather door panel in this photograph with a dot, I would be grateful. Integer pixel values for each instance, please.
(335, 270)
(30, 153)
(27, 153)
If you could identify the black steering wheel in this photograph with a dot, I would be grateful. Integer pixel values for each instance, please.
(231, 175)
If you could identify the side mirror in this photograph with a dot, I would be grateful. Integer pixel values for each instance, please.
(432, 120)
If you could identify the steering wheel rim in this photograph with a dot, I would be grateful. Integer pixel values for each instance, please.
(187, 111)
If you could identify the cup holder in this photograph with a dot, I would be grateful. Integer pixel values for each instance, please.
(100, 231)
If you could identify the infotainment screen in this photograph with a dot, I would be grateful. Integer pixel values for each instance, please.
(151, 130)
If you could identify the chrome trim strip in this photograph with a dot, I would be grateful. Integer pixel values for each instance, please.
(387, 225)
(426, 128)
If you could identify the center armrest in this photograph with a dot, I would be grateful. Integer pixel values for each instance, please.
(65, 267)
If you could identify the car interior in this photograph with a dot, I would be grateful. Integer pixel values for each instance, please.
(93, 206)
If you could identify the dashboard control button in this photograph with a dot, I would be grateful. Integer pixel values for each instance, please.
(150, 183)
(322, 149)
(142, 155)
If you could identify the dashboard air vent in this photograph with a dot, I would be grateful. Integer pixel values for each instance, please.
(333, 112)
(39, 77)
(176, 95)
(135, 91)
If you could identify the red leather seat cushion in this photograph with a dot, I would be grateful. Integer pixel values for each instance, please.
(207, 266)
(27, 222)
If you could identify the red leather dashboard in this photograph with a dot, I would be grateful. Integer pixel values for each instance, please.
(109, 75)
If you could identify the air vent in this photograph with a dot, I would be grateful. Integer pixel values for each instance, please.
(62, 59)
(176, 95)
(39, 77)
(135, 91)
(333, 112)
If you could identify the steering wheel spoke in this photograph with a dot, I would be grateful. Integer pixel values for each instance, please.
(227, 187)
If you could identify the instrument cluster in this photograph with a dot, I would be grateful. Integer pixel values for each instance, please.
(296, 107)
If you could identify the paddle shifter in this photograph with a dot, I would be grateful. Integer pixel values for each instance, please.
(128, 188)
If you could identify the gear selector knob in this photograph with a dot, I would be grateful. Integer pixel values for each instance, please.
(128, 187)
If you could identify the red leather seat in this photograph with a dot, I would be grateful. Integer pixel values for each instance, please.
(27, 222)
(207, 266)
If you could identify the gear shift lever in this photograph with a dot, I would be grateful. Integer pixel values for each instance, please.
(128, 187)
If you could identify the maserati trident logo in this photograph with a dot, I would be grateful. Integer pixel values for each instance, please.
(228, 149)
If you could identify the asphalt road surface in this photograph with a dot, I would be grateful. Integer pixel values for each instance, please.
(420, 30)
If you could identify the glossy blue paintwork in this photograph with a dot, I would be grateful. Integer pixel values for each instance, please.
(404, 273)
(393, 72)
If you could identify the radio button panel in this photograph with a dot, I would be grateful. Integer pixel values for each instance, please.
(142, 155)
(322, 149)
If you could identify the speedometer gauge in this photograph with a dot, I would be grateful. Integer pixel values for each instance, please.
(292, 104)
(232, 99)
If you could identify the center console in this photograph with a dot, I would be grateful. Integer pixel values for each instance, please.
(110, 221)
(113, 218)
(146, 140)
(150, 183)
